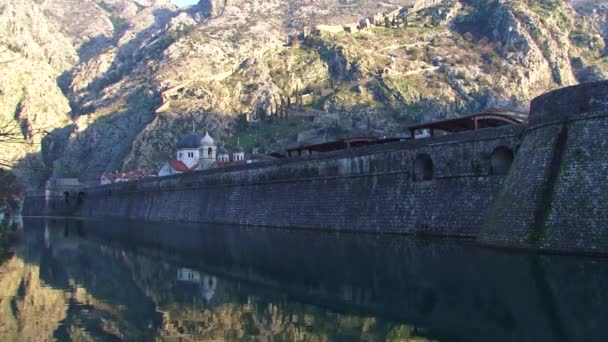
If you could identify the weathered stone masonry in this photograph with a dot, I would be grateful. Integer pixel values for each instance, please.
(553, 197)
(364, 189)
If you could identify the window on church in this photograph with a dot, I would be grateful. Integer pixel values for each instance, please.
(180, 155)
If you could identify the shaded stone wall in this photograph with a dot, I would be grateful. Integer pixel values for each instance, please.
(554, 197)
(59, 198)
(364, 189)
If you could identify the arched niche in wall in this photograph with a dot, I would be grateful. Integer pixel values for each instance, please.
(423, 168)
(81, 196)
(501, 160)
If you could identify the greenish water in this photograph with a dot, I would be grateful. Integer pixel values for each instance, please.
(85, 280)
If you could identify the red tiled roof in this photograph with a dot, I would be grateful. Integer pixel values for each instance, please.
(126, 176)
(177, 165)
(110, 176)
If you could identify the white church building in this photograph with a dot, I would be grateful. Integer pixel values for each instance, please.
(198, 153)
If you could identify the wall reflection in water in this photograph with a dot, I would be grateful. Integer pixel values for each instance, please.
(117, 280)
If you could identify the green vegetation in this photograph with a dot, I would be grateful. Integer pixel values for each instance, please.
(119, 23)
(9, 187)
(105, 6)
(544, 8)
(271, 133)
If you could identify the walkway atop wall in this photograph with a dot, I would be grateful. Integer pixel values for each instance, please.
(492, 117)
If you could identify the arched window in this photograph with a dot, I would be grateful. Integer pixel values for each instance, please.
(423, 168)
(66, 197)
(210, 153)
(501, 160)
(80, 198)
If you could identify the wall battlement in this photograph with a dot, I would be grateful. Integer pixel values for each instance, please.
(569, 103)
(554, 197)
(514, 186)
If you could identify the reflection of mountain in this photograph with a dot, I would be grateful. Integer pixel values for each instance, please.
(215, 283)
(95, 293)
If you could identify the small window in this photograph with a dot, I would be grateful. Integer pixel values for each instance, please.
(80, 199)
(210, 153)
(179, 155)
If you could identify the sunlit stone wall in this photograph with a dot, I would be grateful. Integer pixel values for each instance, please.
(555, 196)
(365, 189)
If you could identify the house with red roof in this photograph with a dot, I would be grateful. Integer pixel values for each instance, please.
(174, 167)
(117, 177)
(194, 152)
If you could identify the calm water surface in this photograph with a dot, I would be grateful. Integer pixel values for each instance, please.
(88, 280)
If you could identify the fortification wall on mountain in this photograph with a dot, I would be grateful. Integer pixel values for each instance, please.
(553, 197)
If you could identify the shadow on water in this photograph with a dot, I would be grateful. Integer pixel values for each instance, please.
(439, 289)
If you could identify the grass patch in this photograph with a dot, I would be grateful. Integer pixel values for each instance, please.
(273, 133)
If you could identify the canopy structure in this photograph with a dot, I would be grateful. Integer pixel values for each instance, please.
(492, 117)
(341, 144)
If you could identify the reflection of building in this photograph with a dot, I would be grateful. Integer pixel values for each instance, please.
(188, 275)
(206, 284)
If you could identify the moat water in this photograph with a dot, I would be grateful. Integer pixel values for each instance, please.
(118, 280)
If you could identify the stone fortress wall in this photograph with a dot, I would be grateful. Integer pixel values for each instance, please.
(438, 186)
(555, 196)
(552, 197)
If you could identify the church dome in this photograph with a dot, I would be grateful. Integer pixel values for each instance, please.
(190, 140)
(238, 149)
(207, 140)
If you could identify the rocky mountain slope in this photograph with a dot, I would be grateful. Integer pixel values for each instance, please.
(115, 84)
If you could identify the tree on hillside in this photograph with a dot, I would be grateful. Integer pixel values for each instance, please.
(10, 134)
(9, 185)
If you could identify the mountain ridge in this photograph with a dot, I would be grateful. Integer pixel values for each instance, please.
(130, 85)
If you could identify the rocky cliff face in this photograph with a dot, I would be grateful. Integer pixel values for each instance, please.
(115, 83)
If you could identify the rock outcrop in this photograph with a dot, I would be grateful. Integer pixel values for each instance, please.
(115, 83)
